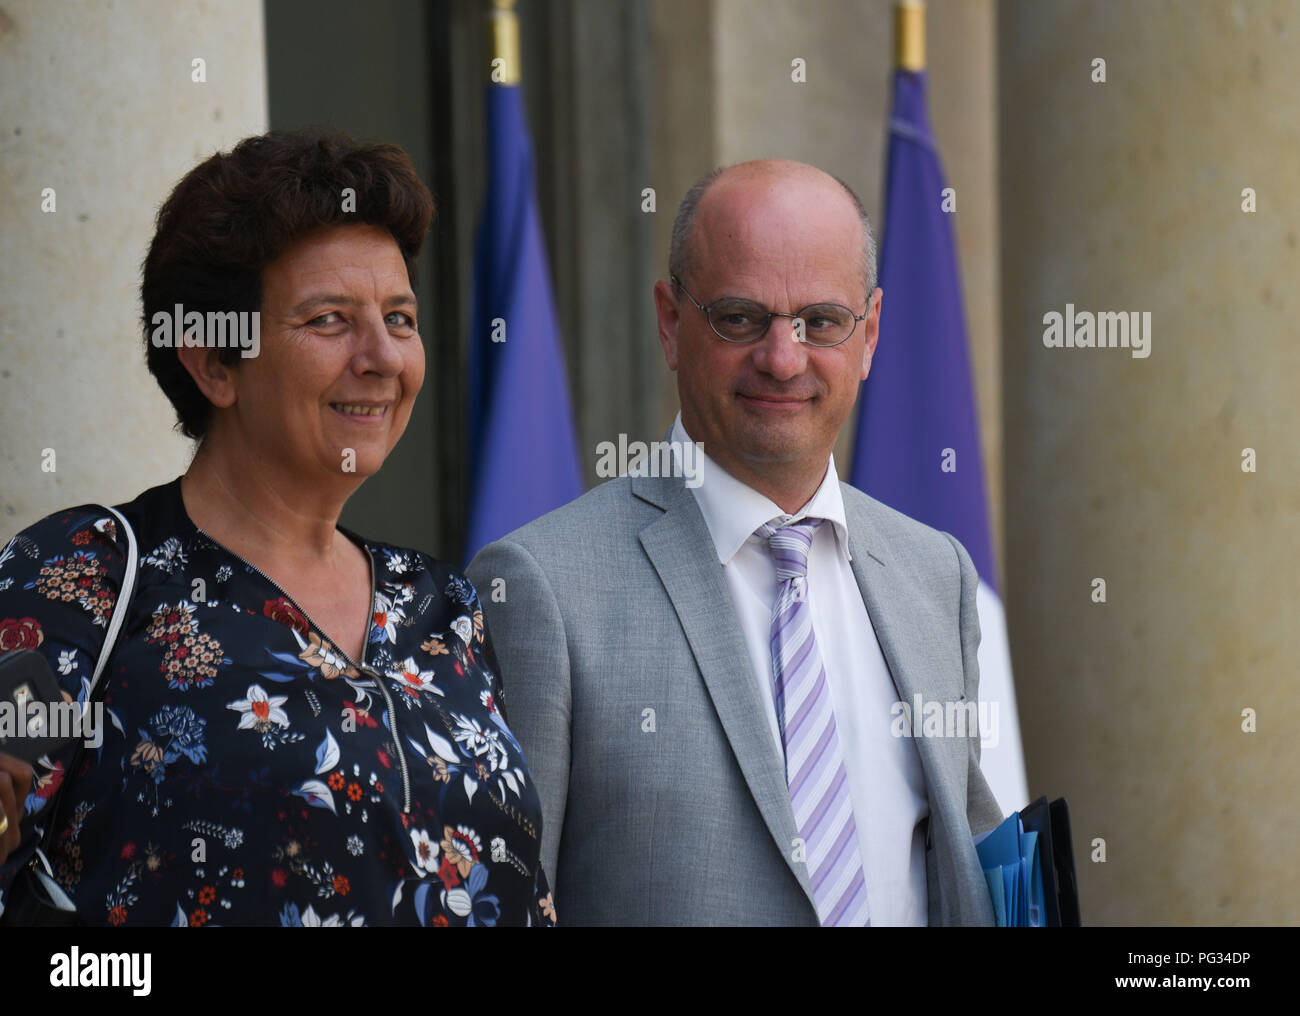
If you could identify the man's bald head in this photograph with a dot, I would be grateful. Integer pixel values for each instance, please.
(683, 247)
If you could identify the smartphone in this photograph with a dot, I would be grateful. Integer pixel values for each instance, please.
(28, 689)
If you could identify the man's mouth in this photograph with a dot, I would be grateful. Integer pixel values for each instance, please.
(775, 401)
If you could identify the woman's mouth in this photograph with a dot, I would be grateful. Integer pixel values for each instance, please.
(358, 410)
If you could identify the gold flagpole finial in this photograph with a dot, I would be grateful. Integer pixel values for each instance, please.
(909, 35)
(503, 37)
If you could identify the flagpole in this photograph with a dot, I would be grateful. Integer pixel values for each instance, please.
(503, 41)
(909, 35)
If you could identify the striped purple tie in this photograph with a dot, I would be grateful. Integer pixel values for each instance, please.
(814, 769)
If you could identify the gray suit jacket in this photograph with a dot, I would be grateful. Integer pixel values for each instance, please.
(629, 687)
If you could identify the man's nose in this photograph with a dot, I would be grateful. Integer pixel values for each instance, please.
(781, 352)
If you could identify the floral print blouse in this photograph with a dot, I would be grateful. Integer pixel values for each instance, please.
(250, 773)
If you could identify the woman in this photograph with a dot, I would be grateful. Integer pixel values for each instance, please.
(302, 726)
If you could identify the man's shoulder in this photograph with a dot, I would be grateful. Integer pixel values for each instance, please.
(888, 531)
(608, 516)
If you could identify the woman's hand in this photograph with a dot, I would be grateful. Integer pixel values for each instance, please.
(15, 785)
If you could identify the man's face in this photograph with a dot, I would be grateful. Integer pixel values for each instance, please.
(776, 405)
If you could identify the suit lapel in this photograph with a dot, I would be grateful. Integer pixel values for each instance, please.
(682, 552)
(888, 615)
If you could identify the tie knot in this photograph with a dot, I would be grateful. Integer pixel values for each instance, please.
(790, 546)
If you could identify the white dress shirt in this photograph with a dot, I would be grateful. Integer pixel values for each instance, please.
(886, 782)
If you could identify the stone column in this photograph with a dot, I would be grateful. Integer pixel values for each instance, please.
(102, 109)
(1130, 194)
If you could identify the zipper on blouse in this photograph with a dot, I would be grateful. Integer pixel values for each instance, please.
(397, 741)
(362, 666)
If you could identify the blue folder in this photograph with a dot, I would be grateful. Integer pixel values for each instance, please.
(1030, 871)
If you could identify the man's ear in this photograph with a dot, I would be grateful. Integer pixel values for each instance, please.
(871, 326)
(668, 310)
(216, 380)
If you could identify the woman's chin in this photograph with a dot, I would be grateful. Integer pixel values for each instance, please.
(361, 454)
(350, 463)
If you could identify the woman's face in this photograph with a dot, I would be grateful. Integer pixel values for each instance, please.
(341, 360)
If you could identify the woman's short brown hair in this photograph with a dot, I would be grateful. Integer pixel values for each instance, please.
(236, 212)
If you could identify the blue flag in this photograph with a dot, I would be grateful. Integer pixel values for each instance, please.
(918, 444)
(523, 450)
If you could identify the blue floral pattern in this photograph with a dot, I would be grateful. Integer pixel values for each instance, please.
(250, 772)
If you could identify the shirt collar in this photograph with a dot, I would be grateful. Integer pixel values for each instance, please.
(733, 510)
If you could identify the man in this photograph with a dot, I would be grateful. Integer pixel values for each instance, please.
(704, 678)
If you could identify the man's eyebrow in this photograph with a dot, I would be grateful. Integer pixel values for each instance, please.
(318, 300)
(339, 300)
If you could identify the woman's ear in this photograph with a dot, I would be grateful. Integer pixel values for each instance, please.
(216, 380)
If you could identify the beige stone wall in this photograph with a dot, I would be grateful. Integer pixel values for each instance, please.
(1127, 196)
(97, 102)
